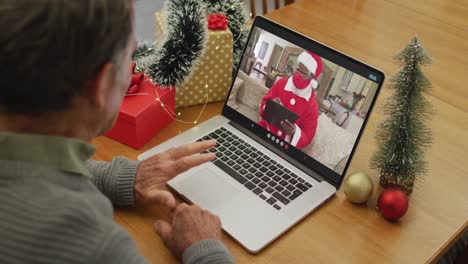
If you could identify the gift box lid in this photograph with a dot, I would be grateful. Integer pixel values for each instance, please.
(134, 105)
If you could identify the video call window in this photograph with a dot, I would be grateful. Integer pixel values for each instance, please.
(309, 102)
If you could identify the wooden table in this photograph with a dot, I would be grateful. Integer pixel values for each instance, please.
(340, 232)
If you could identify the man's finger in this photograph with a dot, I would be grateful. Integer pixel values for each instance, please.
(189, 162)
(163, 198)
(163, 229)
(192, 148)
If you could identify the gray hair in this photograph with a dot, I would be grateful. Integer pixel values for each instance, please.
(49, 49)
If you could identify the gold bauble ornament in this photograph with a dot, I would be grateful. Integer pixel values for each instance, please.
(358, 187)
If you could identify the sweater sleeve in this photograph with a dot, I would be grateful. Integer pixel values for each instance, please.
(207, 252)
(115, 179)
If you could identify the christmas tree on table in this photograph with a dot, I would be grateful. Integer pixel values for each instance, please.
(403, 136)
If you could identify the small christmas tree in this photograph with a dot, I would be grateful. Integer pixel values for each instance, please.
(403, 136)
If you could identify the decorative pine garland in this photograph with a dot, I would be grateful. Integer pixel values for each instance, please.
(179, 53)
(174, 61)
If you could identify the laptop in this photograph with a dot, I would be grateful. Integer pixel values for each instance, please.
(262, 181)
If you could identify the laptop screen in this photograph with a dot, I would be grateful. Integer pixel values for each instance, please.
(306, 99)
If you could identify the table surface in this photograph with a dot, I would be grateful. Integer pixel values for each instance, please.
(340, 232)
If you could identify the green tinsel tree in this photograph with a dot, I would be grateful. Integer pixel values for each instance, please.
(403, 136)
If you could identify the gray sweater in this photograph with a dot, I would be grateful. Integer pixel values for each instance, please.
(53, 209)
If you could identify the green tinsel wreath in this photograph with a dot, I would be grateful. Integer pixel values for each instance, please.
(172, 62)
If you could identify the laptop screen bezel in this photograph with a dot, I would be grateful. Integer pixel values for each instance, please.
(327, 53)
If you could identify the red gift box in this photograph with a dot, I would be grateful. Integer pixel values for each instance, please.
(142, 116)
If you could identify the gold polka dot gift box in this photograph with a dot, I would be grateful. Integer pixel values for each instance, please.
(211, 78)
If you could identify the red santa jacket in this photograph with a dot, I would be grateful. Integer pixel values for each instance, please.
(307, 110)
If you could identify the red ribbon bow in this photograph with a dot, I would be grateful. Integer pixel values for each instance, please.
(137, 78)
(217, 22)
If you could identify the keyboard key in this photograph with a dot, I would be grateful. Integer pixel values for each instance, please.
(271, 200)
(273, 168)
(262, 185)
(286, 193)
(251, 161)
(224, 158)
(262, 196)
(263, 169)
(245, 156)
(235, 143)
(293, 196)
(276, 178)
(276, 207)
(222, 149)
(248, 151)
(249, 185)
(257, 191)
(301, 180)
(308, 184)
(293, 181)
(258, 174)
(233, 157)
(252, 170)
(266, 164)
(301, 187)
(230, 172)
(279, 188)
(238, 152)
(237, 167)
(219, 154)
(240, 161)
(220, 140)
(270, 173)
(280, 197)
(230, 163)
(254, 155)
(290, 188)
(272, 183)
(260, 159)
(243, 172)
(241, 147)
(206, 138)
(286, 176)
(246, 165)
(280, 173)
(294, 176)
(265, 179)
(228, 153)
(283, 183)
(249, 176)
(287, 171)
(269, 190)
(257, 165)
(256, 180)
(213, 135)
(298, 192)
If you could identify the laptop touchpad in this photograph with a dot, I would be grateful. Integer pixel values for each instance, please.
(207, 189)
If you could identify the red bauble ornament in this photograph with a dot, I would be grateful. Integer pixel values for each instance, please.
(393, 204)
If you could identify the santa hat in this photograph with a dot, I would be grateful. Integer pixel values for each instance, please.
(313, 63)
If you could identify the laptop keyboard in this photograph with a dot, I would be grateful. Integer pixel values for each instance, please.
(263, 176)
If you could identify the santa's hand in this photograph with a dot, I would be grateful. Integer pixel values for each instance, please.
(277, 100)
(288, 127)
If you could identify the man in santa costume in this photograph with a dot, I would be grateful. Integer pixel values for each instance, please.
(296, 93)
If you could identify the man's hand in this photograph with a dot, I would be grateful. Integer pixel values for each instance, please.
(288, 127)
(153, 173)
(189, 225)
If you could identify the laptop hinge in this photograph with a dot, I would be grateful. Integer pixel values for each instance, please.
(267, 145)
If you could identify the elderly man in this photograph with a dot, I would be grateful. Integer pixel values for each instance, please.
(65, 69)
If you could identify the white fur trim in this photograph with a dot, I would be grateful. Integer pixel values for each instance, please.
(297, 135)
(305, 93)
(308, 61)
(280, 133)
(314, 84)
(293, 101)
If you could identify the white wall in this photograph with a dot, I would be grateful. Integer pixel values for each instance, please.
(271, 40)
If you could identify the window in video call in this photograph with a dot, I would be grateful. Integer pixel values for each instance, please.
(302, 99)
